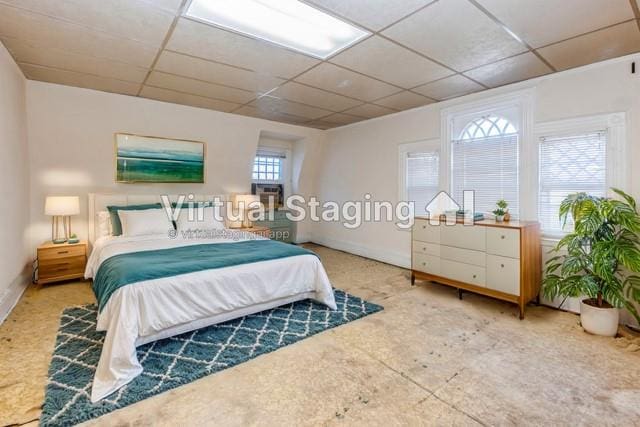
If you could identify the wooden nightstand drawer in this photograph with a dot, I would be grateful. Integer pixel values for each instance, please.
(64, 251)
(65, 261)
(60, 270)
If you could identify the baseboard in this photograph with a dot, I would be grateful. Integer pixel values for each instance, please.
(384, 255)
(12, 294)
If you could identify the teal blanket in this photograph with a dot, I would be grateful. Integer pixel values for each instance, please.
(125, 269)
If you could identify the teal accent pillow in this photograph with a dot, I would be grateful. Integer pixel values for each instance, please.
(116, 225)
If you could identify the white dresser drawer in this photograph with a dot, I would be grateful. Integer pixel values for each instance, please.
(503, 274)
(466, 256)
(503, 241)
(426, 248)
(464, 236)
(425, 232)
(462, 272)
(426, 263)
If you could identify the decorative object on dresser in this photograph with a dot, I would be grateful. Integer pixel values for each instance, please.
(282, 228)
(59, 262)
(502, 211)
(500, 260)
(60, 209)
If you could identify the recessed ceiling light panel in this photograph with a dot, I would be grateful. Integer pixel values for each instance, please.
(288, 23)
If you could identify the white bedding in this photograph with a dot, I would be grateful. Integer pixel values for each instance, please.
(145, 311)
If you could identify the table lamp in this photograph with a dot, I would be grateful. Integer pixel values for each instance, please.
(246, 203)
(60, 209)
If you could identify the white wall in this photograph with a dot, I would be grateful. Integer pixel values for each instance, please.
(362, 157)
(14, 184)
(71, 135)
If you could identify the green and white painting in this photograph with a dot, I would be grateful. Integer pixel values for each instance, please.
(149, 159)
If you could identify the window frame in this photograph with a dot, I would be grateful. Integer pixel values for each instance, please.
(522, 103)
(425, 145)
(616, 162)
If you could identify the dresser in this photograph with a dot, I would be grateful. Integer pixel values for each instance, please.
(282, 228)
(58, 262)
(500, 260)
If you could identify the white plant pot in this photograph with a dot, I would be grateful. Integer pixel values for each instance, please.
(599, 321)
(499, 218)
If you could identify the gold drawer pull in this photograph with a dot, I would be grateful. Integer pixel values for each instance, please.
(424, 263)
(502, 265)
(424, 227)
(502, 237)
(424, 249)
(474, 276)
(62, 252)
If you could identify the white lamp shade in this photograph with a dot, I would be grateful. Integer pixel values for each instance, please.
(62, 205)
(248, 201)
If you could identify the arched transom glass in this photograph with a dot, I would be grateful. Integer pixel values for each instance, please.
(487, 126)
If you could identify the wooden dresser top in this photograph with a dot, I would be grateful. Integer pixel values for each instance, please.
(492, 223)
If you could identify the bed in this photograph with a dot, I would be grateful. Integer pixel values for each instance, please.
(151, 287)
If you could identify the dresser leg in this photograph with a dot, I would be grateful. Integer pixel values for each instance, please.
(413, 279)
(460, 294)
(521, 311)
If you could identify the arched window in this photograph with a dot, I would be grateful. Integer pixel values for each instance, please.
(487, 126)
(485, 159)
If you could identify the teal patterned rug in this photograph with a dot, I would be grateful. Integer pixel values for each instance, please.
(178, 360)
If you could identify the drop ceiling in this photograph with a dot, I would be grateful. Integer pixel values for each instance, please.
(419, 52)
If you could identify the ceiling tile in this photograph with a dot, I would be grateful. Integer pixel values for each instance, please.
(449, 87)
(378, 57)
(340, 119)
(46, 33)
(542, 22)
(200, 88)
(404, 101)
(611, 42)
(279, 106)
(457, 34)
(320, 124)
(213, 43)
(25, 53)
(307, 95)
(133, 19)
(517, 68)
(214, 72)
(339, 80)
(369, 111)
(186, 99)
(170, 5)
(251, 111)
(372, 14)
(69, 78)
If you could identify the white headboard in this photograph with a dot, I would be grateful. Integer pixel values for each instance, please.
(99, 202)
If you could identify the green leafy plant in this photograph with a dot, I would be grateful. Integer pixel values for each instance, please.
(602, 252)
(501, 208)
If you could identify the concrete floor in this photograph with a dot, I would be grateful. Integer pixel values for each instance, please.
(427, 359)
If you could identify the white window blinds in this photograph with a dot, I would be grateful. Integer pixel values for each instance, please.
(422, 178)
(489, 166)
(569, 164)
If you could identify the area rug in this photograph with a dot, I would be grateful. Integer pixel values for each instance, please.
(178, 360)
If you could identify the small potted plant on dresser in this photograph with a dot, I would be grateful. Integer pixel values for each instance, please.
(597, 260)
(501, 211)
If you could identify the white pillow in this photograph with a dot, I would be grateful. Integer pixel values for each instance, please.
(145, 222)
(209, 222)
(104, 224)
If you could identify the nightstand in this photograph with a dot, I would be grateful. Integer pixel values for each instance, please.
(58, 262)
(260, 231)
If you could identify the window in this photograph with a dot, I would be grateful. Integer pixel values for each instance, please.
(268, 167)
(569, 164)
(484, 159)
(422, 183)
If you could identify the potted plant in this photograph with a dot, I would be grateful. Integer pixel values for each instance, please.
(501, 210)
(598, 259)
